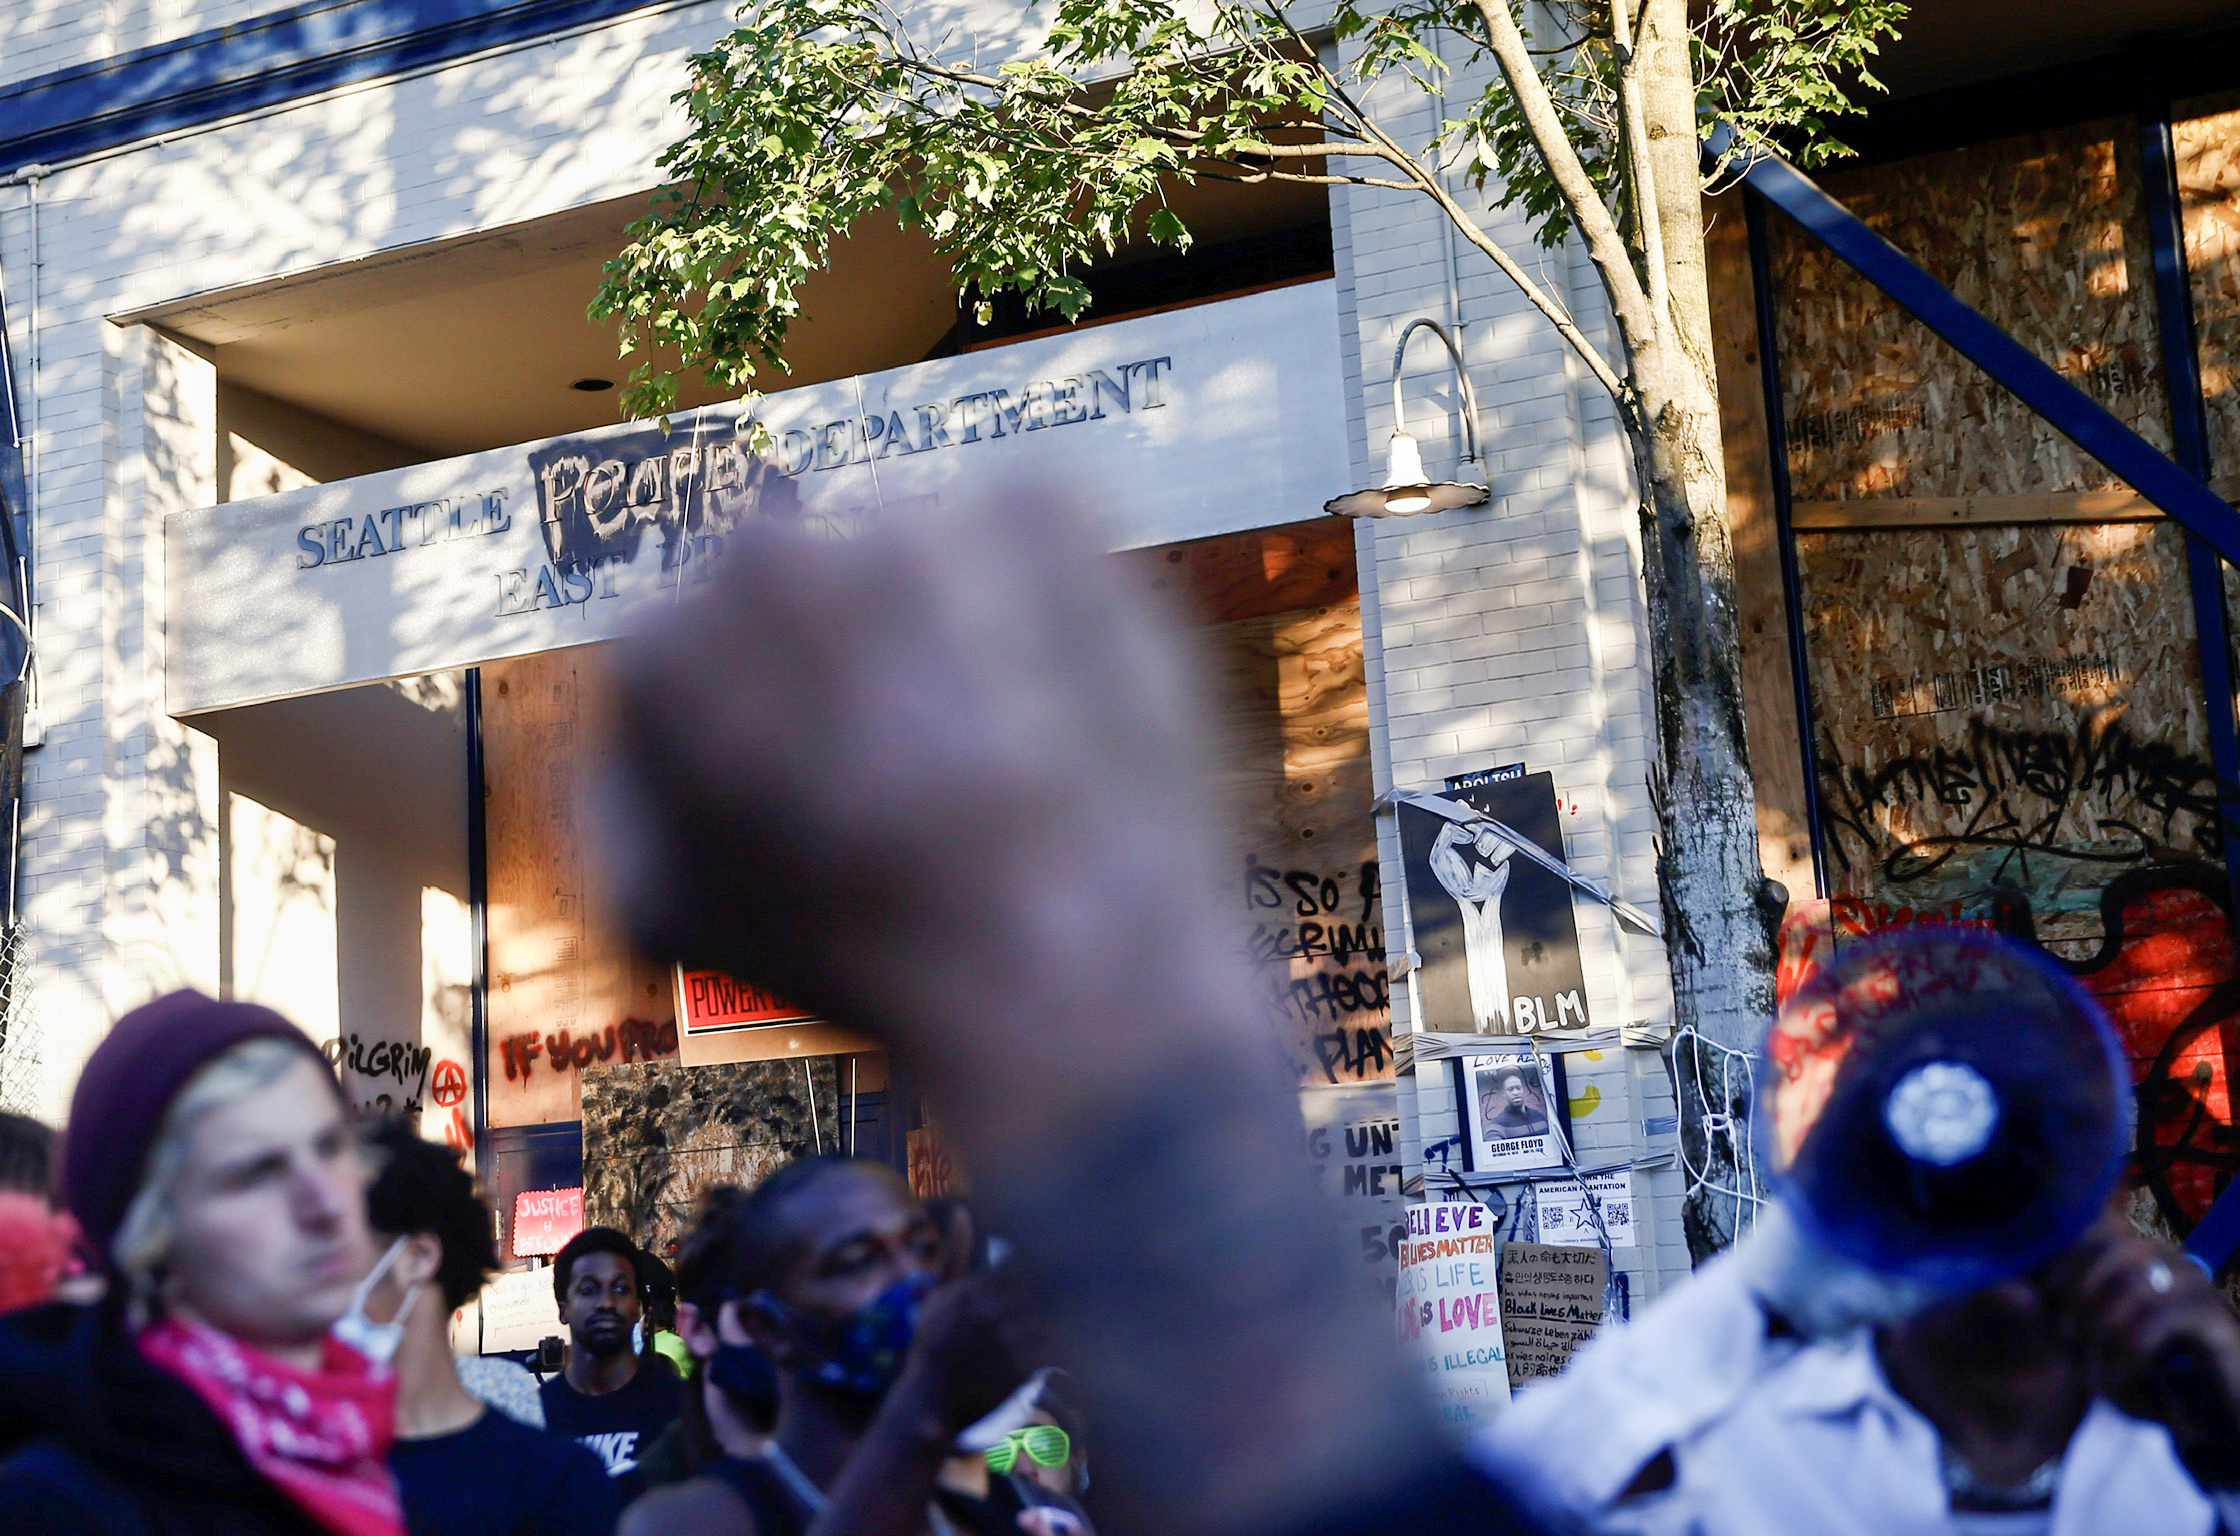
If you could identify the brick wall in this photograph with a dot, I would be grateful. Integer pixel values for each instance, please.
(1513, 632)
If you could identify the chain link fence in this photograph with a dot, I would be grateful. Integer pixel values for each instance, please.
(21, 1080)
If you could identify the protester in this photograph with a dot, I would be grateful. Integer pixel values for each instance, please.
(612, 1397)
(1940, 1320)
(834, 1271)
(731, 1391)
(35, 1241)
(210, 1163)
(464, 1469)
(26, 1155)
(661, 1314)
(943, 780)
(1048, 1450)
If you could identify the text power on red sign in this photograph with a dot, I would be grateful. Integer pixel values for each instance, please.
(709, 1002)
(544, 1220)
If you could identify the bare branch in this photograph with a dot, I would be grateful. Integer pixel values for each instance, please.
(1539, 298)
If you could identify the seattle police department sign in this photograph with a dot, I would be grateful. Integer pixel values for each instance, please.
(1176, 426)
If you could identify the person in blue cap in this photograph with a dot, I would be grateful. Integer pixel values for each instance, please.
(1941, 1321)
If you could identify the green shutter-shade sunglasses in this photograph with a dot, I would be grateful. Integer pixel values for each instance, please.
(1047, 1444)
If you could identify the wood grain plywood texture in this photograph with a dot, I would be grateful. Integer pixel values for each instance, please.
(2206, 138)
(566, 993)
(2005, 714)
(1292, 784)
(2046, 236)
(1769, 699)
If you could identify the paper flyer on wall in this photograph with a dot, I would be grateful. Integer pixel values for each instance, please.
(1566, 1219)
(1551, 1304)
(1508, 1113)
(1496, 938)
(1450, 1308)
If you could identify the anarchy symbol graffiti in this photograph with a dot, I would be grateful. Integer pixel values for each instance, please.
(449, 1085)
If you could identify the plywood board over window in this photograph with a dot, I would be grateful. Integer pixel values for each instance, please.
(1277, 637)
(2007, 716)
(2046, 236)
(2206, 139)
(2009, 725)
(566, 992)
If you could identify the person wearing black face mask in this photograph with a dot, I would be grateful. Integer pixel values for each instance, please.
(839, 1281)
(731, 1392)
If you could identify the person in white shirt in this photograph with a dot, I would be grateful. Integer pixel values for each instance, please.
(2028, 1407)
(1942, 1323)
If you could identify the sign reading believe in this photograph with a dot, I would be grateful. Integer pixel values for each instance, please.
(1169, 427)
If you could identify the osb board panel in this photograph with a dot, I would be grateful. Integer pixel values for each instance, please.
(2045, 235)
(2005, 715)
(1294, 790)
(1769, 699)
(2208, 163)
(655, 1136)
(566, 994)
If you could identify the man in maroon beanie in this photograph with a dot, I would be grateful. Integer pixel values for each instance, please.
(212, 1165)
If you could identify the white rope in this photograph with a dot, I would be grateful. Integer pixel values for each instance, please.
(1744, 1192)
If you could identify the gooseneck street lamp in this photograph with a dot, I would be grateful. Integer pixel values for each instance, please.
(1406, 487)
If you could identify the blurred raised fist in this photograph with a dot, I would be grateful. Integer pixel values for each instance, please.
(904, 778)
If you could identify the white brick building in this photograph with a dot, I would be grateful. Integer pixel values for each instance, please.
(371, 270)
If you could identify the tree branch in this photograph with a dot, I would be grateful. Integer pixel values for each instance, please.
(1636, 129)
(1605, 246)
(1540, 299)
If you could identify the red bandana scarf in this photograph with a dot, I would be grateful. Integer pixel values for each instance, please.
(321, 1437)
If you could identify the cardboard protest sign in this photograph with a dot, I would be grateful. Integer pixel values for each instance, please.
(1551, 1303)
(1565, 1218)
(1450, 1308)
(1352, 1145)
(1498, 945)
(1508, 1113)
(519, 1311)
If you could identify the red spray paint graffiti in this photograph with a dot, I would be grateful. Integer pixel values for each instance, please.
(2167, 971)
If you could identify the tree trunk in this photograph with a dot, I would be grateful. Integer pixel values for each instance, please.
(1719, 922)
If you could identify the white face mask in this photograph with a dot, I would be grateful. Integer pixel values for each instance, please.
(378, 1342)
(638, 1337)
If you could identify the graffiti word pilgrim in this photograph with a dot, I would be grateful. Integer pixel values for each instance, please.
(596, 497)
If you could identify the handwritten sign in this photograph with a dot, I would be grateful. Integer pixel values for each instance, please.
(1551, 1303)
(1566, 1219)
(518, 1311)
(544, 1220)
(1352, 1146)
(1450, 1308)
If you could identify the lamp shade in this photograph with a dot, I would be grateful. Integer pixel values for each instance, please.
(1406, 489)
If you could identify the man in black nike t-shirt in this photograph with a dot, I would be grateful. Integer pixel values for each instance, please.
(611, 1397)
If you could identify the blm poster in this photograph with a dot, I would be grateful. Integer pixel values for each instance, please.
(1497, 945)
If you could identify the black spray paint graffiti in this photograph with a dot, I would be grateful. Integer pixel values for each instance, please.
(402, 1062)
(1340, 1009)
(2014, 790)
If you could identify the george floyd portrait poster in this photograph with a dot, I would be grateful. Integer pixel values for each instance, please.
(1508, 1112)
(1497, 946)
